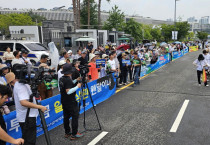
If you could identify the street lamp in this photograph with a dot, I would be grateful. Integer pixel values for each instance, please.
(175, 19)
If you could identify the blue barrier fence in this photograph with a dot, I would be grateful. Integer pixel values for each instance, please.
(100, 90)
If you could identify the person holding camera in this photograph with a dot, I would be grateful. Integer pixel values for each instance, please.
(26, 120)
(69, 103)
(5, 92)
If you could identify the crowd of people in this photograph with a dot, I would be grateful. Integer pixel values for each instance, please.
(126, 65)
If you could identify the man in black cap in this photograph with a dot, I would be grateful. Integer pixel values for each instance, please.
(24, 58)
(69, 103)
(83, 58)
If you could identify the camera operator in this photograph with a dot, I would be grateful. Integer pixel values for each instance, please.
(24, 58)
(4, 137)
(42, 88)
(69, 103)
(83, 58)
(75, 73)
(22, 94)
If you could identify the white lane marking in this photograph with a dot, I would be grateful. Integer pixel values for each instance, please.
(179, 117)
(98, 138)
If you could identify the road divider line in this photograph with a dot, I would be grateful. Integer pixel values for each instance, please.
(179, 116)
(98, 138)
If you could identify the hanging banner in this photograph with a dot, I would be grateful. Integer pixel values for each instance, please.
(100, 90)
(193, 48)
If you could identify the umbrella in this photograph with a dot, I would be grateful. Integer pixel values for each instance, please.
(177, 42)
(85, 38)
(147, 44)
(123, 38)
(163, 44)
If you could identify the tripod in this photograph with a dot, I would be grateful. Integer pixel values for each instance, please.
(42, 118)
(84, 84)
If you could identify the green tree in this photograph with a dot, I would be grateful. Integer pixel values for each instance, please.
(93, 13)
(14, 20)
(36, 18)
(202, 35)
(190, 36)
(99, 12)
(182, 28)
(156, 33)
(115, 20)
(167, 31)
(147, 32)
(134, 28)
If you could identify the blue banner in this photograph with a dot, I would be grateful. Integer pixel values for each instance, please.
(186, 50)
(177, 54)
(100, 90)
(100, 62)
(125, 61)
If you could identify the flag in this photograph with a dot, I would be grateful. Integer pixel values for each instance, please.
(204, 77)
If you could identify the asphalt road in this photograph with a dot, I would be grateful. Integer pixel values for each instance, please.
(144, 115)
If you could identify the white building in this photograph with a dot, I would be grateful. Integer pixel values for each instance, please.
(30, 33)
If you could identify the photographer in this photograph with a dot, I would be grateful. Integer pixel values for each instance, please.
(27, 121)
(69, 103)
(4, 137)
(83, 59)
(24, 59)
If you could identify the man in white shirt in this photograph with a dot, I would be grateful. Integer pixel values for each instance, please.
(16, 60)
(78, 55)
(24, 58)
(22, 94)
(112, 62)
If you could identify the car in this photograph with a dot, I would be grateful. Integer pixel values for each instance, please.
(34, 49)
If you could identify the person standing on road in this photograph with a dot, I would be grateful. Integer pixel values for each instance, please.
(200, 63)
(69, 103)
(22, 99)
(136, 67)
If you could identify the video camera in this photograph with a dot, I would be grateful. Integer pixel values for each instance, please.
(26, 74)
(84, 69)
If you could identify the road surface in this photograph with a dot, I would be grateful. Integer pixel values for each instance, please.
(168, 108)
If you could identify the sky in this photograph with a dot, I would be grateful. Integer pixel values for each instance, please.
(157, 9)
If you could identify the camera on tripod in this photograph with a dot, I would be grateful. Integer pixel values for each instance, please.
(26, 74)
(84, 70)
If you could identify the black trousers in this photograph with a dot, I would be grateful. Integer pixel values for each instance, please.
(123, 76)
(199, 77)
(71, 110)
(130, 72)
(29, 131)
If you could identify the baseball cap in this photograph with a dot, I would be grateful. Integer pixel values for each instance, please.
(67, 69)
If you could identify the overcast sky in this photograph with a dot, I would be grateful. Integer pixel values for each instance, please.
(157, 9)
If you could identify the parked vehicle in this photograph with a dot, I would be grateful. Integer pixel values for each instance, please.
(35, 49)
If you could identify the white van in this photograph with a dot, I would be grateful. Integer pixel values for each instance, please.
(35, 49)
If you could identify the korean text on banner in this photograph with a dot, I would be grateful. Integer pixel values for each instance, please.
(100, 90)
